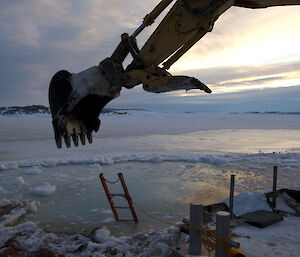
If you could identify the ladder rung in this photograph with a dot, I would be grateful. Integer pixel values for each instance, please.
(112, 195)
(126, 196)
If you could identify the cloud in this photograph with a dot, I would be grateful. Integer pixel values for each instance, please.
(274, 99)
(242, 88)
(244, 36)
(237, 78)
(39, 38)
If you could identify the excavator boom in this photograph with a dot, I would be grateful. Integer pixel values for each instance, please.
(76, 100)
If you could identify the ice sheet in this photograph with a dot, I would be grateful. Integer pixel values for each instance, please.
(29, 137)
(172, 157)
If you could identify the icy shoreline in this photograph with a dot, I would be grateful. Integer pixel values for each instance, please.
(255, 242)
(30, 238)
(271, 241)
(199, 148)
(287, 160)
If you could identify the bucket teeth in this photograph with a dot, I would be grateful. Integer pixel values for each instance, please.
(75, 137)
(76, 101)
(82, 138)
(57, 137)
(67, 140)
(58, 141)
(97, 125)
(89, 136)
(73, 130)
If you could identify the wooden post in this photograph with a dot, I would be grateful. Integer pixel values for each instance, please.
(274, 186)
(223, 231)
(231, 195)
(196, 219)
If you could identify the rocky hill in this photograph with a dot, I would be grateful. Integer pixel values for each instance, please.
(32, 109)
(40, 109)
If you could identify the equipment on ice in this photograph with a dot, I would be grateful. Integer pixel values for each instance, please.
(76, 100)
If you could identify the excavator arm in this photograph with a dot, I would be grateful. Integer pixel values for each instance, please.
(76, 100)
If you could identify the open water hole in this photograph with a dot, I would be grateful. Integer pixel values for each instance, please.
(164, 189)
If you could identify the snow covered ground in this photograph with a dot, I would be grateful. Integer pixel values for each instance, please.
(168, 161)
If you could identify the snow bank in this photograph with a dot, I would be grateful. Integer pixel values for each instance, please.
(100, 243)
(44, 190)
(102, 234)
(218, 159)
(19, 209)
(249, 202)
(276, 240)
(27, 228)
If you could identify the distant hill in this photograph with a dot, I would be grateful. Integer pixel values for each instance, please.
(40, 109)
(267, 112)
(31, 109)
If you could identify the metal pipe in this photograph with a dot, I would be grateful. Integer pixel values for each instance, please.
(232, 243)
(196, 219)
(231, 195)
(274, 186)
(138, 30)
(222, 231)
(149, 18)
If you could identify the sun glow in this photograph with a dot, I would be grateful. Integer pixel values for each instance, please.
(244, 37)
(287, 79)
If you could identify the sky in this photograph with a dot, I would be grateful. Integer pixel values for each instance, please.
(251, 59)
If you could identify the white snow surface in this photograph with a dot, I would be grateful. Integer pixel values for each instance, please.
(102, 234)
(249, 202)
(100, 243)
(20, 209)
(281, 239)
(288, 160)
(31, 137)
(252, 143)
(275, 240)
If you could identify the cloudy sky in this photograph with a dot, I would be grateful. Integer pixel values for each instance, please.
(251, 60)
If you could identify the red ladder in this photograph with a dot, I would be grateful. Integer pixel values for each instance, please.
(126, 196)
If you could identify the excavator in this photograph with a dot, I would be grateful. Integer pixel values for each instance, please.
(76, 100)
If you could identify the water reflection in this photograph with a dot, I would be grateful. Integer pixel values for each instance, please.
(164, 189)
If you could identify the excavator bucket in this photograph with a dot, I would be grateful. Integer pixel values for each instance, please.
(76, 100)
